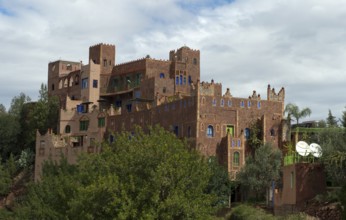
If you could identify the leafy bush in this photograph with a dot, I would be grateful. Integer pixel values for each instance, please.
(246, 212)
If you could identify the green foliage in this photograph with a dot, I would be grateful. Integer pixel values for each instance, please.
(219, 183)
(331, 120)
(4, 214)
(145, 176)
(11, 166)
(333, 143)
(9, 132)
(45, 115)
(2, 109)
(5, 181)
(17, 104)
(248, 212)
(260, 169)
(343, 118)
(255, 139)
(342, 197)
(26, 159)
(293, 110)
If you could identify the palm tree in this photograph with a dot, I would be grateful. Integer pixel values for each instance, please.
(293, 110)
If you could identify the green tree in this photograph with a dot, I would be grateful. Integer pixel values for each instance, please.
(5, 181)
(46, 112)
(219, 184)
(11, 165)
(9, 132)
(343, 118)
(331, 120)
(141, 176)
(293, 110)
(17, 104)
(255, 139)
(2, 109)
(260, 169)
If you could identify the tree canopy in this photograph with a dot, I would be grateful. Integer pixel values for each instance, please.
(140, 176)
(260, 169)
(293, 111)
(331, 120)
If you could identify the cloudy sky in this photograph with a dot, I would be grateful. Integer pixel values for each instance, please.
(245, 44)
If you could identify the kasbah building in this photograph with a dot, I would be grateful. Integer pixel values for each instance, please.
(102, 98)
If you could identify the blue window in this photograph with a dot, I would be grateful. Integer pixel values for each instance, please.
(229, 103)
(233, 143)
(181, 79)
(222, 103)
(84, 83)
(117, 103)
(80, 108)
(95, 82)
(190, 80)
(137, 94)
(210, 131)
(258, 104)
(247, 133)
(249, 103)
(214, 102)
(177, 80)
(129, 107)
(239, 143)
(242, 104)
(162, 75)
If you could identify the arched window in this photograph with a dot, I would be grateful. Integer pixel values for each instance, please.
(181, 79)
(203, 100)
(242, 103)
(222, 103)
(210, 131)
(236, 156)
(76, 80)
(177, 80)
(67, 129)
(247, 133)
(190, 79)
(229, 103)
(272, 132)
(214, 102)
(162, 75)
(249, 103)
(258, 104)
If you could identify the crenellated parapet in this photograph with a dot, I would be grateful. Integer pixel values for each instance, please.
(209, 89)
(102, 44)
(273, 96)
(255, 96)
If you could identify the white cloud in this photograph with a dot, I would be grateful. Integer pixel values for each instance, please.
(246, 44)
